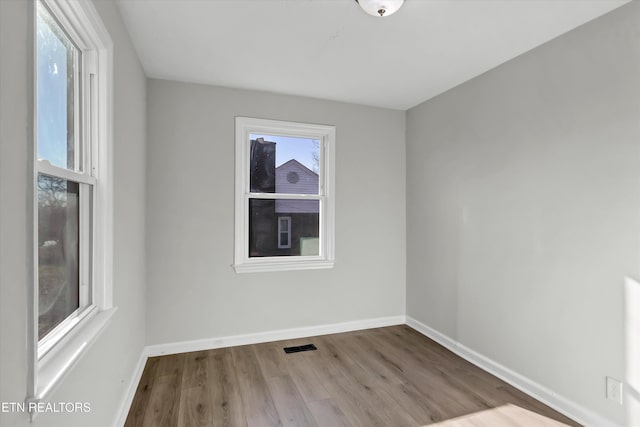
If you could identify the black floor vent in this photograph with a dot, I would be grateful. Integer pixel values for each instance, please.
(306, 347)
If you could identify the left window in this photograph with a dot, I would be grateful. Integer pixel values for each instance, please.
(65, 182)
(72, 186)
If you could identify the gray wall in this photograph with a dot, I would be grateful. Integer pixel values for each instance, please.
(523, 209)
(523, 215)
(193, 292)
(103, 374)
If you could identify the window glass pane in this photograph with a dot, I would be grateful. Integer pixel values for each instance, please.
(284, 239)
(281, 164)
(56, 66)
(284, 233)
(58, 251)
(263, 227)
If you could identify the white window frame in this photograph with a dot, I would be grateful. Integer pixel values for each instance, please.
(51, 358)
(287, 231)
(245, 126)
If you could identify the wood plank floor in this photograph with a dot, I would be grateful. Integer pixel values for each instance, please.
(377, 377)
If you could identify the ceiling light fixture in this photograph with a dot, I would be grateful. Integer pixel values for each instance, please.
(380, 8)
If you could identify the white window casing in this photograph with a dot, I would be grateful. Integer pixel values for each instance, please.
(284, 230)
(243, 263)
(51, 358)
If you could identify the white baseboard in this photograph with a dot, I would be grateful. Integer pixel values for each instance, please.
(235, 340)
(260, 337)
(131, 389)
(561, 404)
(550, 398)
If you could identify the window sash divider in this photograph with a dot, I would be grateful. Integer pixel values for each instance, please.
(280, 196)
(44, 167)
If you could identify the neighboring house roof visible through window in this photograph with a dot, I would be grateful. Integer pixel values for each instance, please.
(292, 177)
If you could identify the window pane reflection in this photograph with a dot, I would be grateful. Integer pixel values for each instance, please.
(286, 165)
(284, 227)
(58, 251)
(56, 65)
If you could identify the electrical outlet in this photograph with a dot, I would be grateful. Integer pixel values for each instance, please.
(614, 390)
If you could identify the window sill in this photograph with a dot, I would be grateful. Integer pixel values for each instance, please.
(52, 368)
(256, 267)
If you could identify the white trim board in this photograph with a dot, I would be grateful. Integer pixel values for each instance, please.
(282, 334)
(550, 398)
(125, 405)
(533, 389)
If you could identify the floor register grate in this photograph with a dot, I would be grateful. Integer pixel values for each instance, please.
(299, 348)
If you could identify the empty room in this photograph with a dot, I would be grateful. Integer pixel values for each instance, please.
(320, 213)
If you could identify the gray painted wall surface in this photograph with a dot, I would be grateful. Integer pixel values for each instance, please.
(523, 209)
(13, 222)
(523, 216)
(103, 374)
(193, 292)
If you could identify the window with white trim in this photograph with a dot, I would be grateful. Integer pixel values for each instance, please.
(284, 232)
(284, 195)
(71, 298)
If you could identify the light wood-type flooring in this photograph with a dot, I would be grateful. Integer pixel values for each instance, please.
(387, 377)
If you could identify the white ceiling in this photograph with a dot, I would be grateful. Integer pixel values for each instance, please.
(331, 49)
